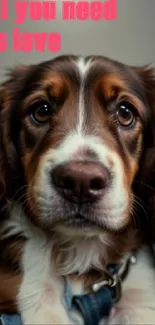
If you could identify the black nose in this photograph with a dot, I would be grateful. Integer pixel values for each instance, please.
(81, 182)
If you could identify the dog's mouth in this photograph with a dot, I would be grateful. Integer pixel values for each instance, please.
(80, 221)
(79, 225)
(87, 223)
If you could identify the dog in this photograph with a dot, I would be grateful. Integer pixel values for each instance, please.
(76, 134)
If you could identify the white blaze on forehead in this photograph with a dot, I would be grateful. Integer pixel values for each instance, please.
(83, 68)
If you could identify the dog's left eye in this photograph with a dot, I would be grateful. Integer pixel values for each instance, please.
(41, 111)
(125, 114)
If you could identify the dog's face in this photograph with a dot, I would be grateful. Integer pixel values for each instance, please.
(77, 126)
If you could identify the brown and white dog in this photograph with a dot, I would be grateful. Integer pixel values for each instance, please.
(75, 133)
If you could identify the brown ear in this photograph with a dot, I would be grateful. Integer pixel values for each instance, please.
(3, 124)
(8, 158)
(147, 78)
(145, 186)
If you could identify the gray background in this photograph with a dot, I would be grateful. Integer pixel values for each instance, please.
(130, 39)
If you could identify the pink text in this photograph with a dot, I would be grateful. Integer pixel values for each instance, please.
(3, 42)
(35, 10)
(94, 10)
(3, 9)
(27, 42)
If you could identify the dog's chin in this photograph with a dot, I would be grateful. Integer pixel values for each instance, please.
(84, 226)
(79, 231)
(80, 226)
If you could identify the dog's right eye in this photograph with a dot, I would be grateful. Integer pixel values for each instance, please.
(40, 112)
(125, 114)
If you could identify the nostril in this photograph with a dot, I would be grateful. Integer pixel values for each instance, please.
(97, 184)
(68, 183)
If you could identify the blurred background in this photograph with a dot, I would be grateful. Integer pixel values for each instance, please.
(131, 38)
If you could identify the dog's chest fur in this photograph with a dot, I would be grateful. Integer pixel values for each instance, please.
(43, 280)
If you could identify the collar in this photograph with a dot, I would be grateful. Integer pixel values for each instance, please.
(10, 319)
(96, 304)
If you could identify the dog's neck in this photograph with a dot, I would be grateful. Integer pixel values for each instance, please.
(80, 254)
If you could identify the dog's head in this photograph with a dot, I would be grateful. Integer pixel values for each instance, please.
(73, 135)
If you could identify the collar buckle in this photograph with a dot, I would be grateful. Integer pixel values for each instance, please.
(117, 286)
(113, 282)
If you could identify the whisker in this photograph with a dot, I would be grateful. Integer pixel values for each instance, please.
(140, 205)
(147, 185)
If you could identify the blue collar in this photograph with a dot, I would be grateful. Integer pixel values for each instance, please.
(10, 319)
(97, 304)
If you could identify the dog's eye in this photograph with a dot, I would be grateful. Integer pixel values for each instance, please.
(125, 114)
(41, 111)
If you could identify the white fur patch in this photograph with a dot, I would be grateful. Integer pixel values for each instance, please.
(83, 69)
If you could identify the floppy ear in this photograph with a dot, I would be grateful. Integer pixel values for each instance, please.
(147, 77)
(9, 168)
(146, 179)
